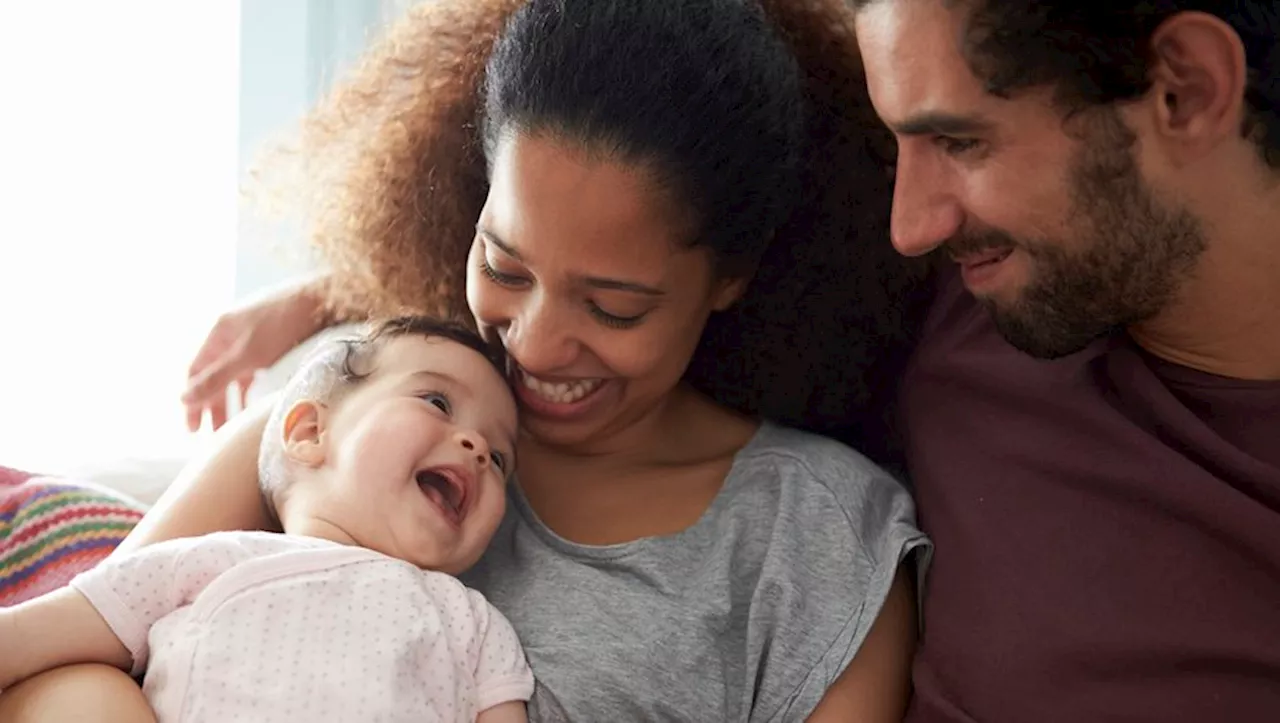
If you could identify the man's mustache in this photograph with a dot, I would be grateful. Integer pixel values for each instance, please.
(970, 244)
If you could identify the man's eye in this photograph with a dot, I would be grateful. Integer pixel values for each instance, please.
(439, 401)
(956, 146)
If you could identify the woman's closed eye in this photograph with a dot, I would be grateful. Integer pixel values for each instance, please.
(499, 277)
(616, 321)
(512, 280)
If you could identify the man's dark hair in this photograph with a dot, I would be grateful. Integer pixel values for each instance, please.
(1099, 52)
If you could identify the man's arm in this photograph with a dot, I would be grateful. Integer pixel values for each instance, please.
(876, 686)
(509, 712)
(53, 630)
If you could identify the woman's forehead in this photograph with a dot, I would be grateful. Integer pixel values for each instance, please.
(543, 190)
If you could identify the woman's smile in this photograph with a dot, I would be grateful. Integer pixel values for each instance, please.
(560, 399)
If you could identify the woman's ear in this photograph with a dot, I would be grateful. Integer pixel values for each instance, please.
(727, 291)
(304, 433)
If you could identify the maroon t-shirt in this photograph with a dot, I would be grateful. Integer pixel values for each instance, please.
(1107, 529)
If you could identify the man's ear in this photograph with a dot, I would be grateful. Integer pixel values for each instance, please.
(304, 433)
(1198, 74)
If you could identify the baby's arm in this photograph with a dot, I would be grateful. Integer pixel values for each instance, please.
(53, 630)
(105, 614)
(509, 712)
(504, 681)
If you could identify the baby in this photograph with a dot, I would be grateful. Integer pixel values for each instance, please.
(385, 463)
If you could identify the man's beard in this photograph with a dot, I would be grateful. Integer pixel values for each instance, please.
(1129, 258)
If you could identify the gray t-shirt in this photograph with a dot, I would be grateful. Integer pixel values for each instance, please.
(748, 615)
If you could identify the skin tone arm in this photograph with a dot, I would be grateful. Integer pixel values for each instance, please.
(876, 686)
(53, 630)
(511, 712)
(216, 492)
(91, 693)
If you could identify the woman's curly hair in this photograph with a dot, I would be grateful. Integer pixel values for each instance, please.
(390, 172)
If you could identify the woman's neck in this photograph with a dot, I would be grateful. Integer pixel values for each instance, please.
(656, 479)
(687, 427)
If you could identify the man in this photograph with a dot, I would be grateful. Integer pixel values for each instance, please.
(1094, 415)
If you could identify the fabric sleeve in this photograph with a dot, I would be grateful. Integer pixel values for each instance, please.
(502, 672)
(131, 592)
(843, 530)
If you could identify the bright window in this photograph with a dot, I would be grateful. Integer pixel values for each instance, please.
(118, 219)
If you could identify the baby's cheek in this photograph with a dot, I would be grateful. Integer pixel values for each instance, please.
(400, 427)
(489, 513)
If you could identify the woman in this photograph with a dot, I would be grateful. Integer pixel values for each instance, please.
(628, 220)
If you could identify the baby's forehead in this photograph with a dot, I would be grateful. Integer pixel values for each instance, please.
(409, 355)
(452, 364)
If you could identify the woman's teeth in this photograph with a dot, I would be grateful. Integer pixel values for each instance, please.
(562, 393)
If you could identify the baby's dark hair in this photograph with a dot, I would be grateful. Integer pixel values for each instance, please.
(339, 366)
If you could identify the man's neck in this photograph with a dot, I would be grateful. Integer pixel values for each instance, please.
(1227, 319)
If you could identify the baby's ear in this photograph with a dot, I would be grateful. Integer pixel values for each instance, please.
(304, 437)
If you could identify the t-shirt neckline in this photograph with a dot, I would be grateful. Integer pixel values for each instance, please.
(548, 536)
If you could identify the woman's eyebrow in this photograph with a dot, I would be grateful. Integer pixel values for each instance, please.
(619, 285)
(507, 249)
(599, 282)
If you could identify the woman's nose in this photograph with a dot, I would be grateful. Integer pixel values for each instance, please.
(539, 339)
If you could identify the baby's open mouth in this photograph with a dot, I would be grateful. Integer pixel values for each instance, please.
(447, 489)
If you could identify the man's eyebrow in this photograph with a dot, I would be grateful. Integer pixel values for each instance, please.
(594, 281)
(943, 124)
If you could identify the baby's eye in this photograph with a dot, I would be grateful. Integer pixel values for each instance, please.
(499, 460)
(438, 400)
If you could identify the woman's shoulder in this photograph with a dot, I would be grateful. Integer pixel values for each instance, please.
(795, 457)
(821, 488)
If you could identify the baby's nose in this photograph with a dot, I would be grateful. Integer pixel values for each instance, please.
(476, 446)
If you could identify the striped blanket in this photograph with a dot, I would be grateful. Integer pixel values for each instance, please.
(51, 529)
